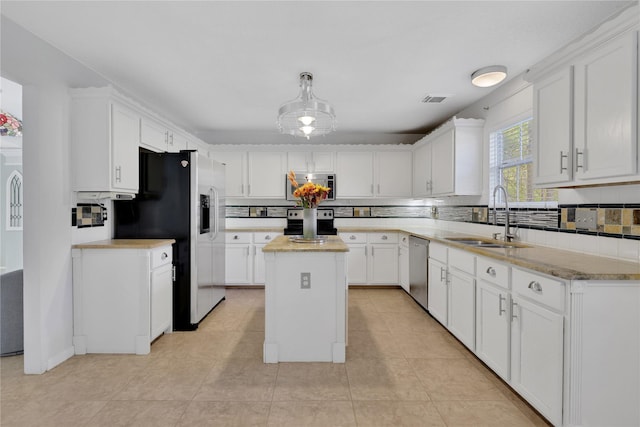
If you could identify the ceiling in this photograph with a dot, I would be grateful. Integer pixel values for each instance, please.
(221, 69)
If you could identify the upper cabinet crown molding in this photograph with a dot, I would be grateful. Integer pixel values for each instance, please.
(626, 20)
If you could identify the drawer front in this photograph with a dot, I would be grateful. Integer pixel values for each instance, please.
(161, 256)
(238, 237)
(349, 238)
(438, 252)
(462, 260)
(542, 289)
(382, 237)
(491, 271)
(264, 237)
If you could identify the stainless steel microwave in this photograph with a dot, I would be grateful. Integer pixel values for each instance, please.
(325, 179)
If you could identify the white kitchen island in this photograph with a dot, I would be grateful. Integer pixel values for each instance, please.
(305, 301)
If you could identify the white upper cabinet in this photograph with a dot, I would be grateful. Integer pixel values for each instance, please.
(154, 135)
(178, 141)
(235, 171)
(447, 162)
(605, 113)
(266, 178)
(366, 174)
(585, 109)
(553, 112)
(254, 174)
(354, 174)
(443, 167)
(422, 171)
(307, 161)
(392, 176)
(105, 133)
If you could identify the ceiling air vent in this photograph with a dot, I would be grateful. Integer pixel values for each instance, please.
(434, 99)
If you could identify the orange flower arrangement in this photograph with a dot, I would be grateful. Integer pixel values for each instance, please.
(309, 195)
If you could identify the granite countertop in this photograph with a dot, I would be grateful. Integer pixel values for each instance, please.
(554, 262)
(125, 244)
(284, 244)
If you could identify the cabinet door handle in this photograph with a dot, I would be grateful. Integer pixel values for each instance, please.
(365, 251)
(500, 309)
(491, 271)
(371, 188)
(118, 173)
(163, 256)
(535, 286)
(513, 310)
(562, 157)
(255, 250)
(242, 189)
(378, 188)
(248, 189)
(578, 165)
(173, 273)
(442, 275)
(171, 139)
(373, 253)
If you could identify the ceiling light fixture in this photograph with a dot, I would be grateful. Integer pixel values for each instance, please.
(306, 115)
(489, 76)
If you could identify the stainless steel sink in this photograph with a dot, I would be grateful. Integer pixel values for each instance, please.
(485, 243)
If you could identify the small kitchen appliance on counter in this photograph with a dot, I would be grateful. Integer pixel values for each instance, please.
(325, 222)
(182, 197)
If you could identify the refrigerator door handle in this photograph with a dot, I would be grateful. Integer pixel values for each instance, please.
(214, 212)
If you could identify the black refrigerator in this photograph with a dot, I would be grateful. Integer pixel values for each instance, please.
(182, 196)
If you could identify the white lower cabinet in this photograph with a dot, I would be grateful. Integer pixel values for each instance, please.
(403, 262)
(122, 297)
(438, 290)
(461, 316)
(493, 315)
(161, 300)
(452, 291)
(373, 258)
(537, 341)
(536, 356)
(493, 327)
(244, 263)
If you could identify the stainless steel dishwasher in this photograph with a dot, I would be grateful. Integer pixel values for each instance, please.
(419, 270)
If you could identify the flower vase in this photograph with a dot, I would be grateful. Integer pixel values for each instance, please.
(309, 223)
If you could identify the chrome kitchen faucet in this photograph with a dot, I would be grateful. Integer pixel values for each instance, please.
(507, 230)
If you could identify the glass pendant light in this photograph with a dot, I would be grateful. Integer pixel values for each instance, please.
(307, 115)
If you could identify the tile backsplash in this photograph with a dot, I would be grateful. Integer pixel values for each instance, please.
(88, 215)
(609, 220)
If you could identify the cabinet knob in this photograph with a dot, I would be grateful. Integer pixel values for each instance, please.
(535, 286)
(267, 237)
(164, 256)
(491, 272)
(352, 237)
(384, 237)
(236, 237)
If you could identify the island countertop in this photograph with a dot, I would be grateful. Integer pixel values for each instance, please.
(284, 244)
(125, 244)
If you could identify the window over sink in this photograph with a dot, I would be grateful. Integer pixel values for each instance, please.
(511, 165)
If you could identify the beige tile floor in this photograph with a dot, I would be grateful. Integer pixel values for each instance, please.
(402, 369)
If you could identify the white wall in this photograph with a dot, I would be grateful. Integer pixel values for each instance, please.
(46, 74)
